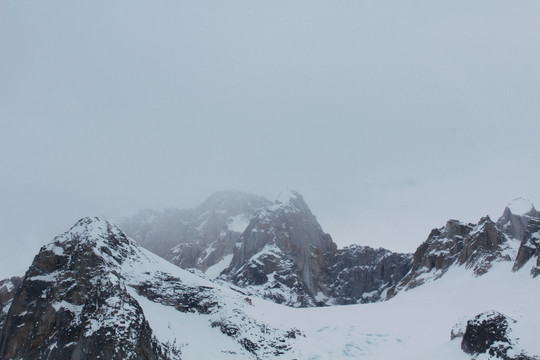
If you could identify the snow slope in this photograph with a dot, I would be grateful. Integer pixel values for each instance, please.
(416, 324)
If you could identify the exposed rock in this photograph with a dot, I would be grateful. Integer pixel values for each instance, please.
(530, 248)
(360, 274)
(71, 306)
(79, 300)
(475, 246)
(490, 333)
(8, 288)
(283, 253)
(196, 238)
(485, 245)
(285, 256)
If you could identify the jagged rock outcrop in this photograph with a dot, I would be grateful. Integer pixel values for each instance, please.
(490, 334)
(70, 304)
(285, 256)
(475, 246)
(485, 245)
(515, 237)
(282, 253)
(196, 238)
(522, 221)
(529, 249)
(81, 299)
(361, 274)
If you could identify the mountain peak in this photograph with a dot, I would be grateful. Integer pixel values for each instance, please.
(521, 206)
(89, 228)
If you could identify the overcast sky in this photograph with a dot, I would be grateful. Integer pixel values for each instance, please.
(390, 117)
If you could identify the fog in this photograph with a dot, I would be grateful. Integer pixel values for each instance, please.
(389, 117)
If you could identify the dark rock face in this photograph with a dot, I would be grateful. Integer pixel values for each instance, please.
(530, 247)
(515, 237)
(360, 274)
(72, 304)
(475, 246)
(282, 254)
(79, 300)
(484, 245)
(484, 331)
(490, 333)
(196, 238)
(285, 256)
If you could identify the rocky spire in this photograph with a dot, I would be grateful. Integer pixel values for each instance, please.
(286, 240)
(516, 216)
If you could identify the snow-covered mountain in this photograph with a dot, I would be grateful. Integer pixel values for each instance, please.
(282, 254)
(8, 287)
(285, 256)
(275, 250)
(94, 293)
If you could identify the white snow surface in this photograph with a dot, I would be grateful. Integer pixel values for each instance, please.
(416, 324)
(520, 206)
(213, 271)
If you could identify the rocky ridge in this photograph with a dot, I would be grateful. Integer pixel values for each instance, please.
(88, 294)
(513, 238)
(285, 256)
(80, 300)
(275, 250)
(8, 288)
(361, 274)
(529, 249)
(197, 238)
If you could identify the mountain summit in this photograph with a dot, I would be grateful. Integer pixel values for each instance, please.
(282, 253)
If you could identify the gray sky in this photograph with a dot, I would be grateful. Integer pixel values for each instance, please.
(389, 117)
